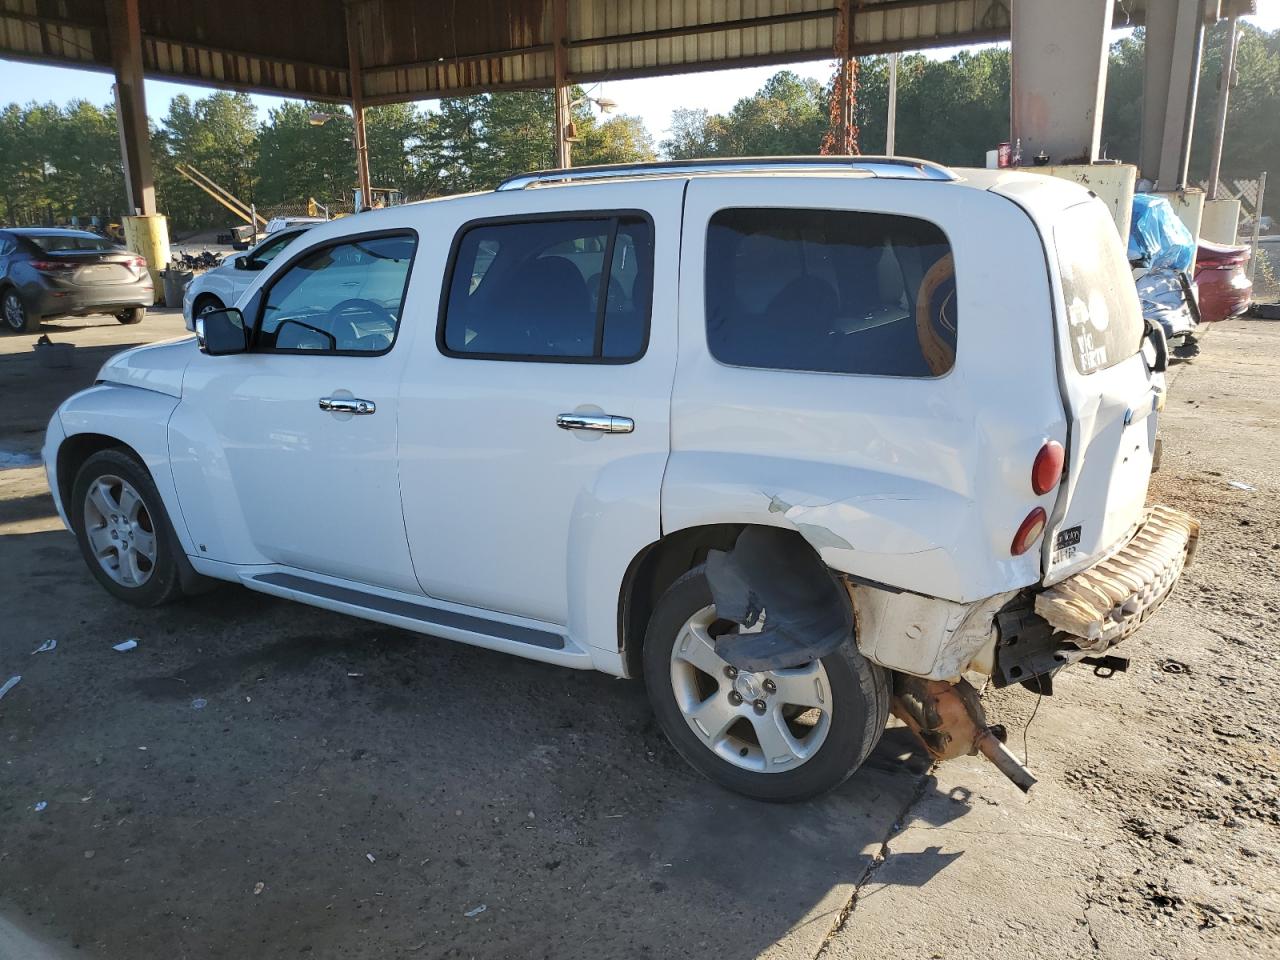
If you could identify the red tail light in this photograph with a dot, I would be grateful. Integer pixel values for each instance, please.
(1046, 472)
(1029, 532)
(138, 264)
(52, 266)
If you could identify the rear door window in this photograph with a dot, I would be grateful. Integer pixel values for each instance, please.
(1104, 318)
(575, 288)
(830, 291)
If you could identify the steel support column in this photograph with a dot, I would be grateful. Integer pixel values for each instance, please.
(356, 84)
(564, 110)
(1059, 54)
(1174, 38)
(125, 33)
(1225, 81)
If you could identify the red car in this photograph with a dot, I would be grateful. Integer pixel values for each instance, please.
(1225, 287)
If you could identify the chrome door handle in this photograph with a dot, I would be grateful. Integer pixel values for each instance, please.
(360, 408)
(599, 422)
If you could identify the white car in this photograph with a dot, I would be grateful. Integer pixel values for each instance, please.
(798, 441)
(276, 224)
(222, 286)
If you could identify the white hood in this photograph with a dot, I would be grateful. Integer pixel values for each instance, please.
(157, 367)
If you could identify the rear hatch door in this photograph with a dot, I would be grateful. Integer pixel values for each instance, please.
(1110, 392)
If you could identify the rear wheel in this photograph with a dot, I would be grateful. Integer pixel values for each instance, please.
(776, 735)
(132, 315)
(124, 531)
(16, 316)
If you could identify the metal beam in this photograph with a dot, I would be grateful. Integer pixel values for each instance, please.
(564, 111)
(356, 85)
(1225, 81)
(1059, 76)
(125, 33)
(1171, 70)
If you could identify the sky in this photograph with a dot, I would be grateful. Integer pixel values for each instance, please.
(651, 99)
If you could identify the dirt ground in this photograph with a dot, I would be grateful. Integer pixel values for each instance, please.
(261, 779)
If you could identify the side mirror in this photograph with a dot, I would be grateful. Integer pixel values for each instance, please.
(222, 332)
(242, 263)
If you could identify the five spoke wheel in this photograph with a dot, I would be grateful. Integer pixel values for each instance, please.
(764, 722)
(120, 530)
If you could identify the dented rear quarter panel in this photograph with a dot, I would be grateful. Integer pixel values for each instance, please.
(920, 484)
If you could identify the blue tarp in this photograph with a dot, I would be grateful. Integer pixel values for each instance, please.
(1156, 235)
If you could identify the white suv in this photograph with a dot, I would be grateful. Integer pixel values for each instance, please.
(799, 441)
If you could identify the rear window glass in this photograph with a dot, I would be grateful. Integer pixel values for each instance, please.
(52, 243)
(563, 289)
(1104, 318)
(831, 291)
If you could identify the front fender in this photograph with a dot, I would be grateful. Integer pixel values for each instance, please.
(138, 419)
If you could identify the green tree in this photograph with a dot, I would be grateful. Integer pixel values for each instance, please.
(788, 115)
(471, 143)
(298, 159)
(56, 164)
(218, 135)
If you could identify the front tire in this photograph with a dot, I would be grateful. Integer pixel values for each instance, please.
(205, 303)
(123, 530)
(17, 318)
(132, 315)
(779, 735)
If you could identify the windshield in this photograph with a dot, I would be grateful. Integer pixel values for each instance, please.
(62, 243)
(1097, 288)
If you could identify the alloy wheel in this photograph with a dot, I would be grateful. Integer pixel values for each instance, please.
(14, 313)
(766, 722)
(120, 530)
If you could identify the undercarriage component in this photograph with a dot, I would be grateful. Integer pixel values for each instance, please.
(1030, 651)
(773, 578)
(950, 722)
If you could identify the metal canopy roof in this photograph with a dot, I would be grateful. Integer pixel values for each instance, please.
(411, 50)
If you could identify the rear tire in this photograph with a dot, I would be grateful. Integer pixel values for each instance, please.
(124, 531)
(843, 697)
(17, 318)
(132, 315)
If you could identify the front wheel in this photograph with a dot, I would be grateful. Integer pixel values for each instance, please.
(132, 315)
(775, 735)
(124, 531)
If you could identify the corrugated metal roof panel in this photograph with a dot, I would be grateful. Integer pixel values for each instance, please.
(414, 50)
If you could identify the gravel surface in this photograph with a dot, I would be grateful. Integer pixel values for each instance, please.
(262, 779)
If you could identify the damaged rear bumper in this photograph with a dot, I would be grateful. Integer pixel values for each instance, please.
(1092, 611)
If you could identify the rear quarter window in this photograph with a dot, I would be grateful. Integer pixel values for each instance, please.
(1104, 318)
(830, 291)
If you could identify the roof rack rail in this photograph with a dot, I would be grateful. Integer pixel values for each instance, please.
(906, 168)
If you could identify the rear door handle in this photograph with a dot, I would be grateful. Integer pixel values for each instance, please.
(599, 422)
(361, 408)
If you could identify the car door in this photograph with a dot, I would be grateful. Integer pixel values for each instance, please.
(536, 424)
(304, 425)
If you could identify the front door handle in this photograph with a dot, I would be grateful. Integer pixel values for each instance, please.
(360, 408)
(599, 422)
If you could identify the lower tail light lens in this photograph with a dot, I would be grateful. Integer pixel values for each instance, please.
(1029, 532)
(52, 266)
(1046, 471)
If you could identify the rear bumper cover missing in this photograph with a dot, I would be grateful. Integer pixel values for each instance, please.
(1097, 608)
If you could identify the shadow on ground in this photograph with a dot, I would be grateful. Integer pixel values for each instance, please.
(380, 786)
(263, 779)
